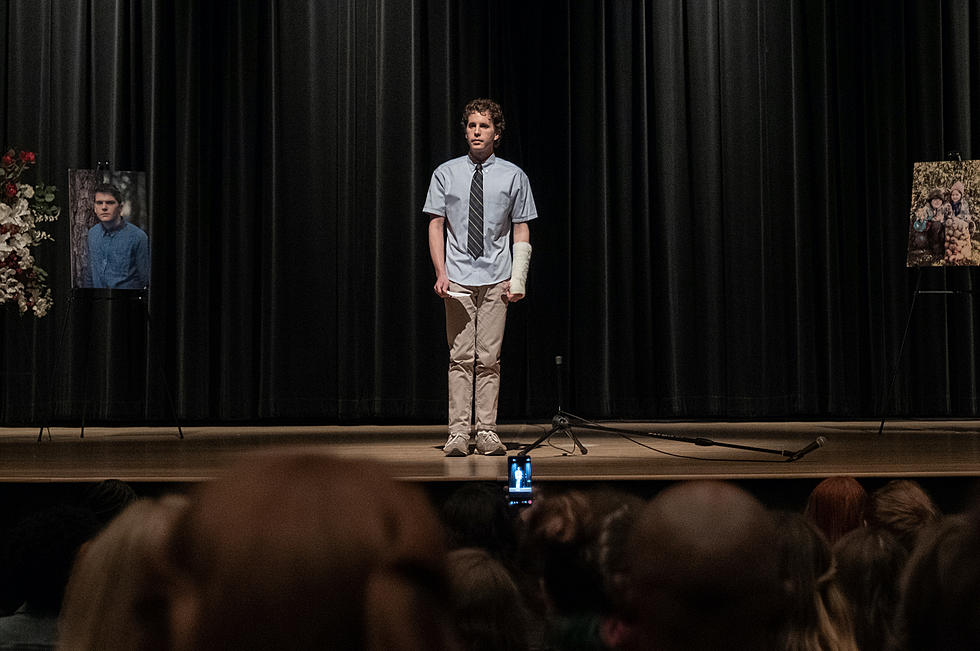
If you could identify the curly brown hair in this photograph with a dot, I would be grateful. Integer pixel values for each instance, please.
(489, 107)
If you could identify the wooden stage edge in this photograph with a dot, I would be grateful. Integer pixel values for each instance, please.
(906, 448)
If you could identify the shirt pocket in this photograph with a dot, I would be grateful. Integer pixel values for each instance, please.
(501, 205)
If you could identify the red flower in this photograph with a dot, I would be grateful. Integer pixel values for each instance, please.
(11, 190)
(7, 160)
(27, 156)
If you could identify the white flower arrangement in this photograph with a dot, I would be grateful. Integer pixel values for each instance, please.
(23, 209)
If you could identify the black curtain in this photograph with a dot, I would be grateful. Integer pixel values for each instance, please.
(723, 189)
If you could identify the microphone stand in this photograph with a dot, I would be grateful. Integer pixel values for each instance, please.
(560, 423)
(564, 423)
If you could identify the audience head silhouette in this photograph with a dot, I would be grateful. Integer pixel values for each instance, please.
(41, 550)
(304, 551)
(869, 564)
(38, 555)
(816, 612)
(902, 508)
(108, 498)
(837, 505)
(487, 603)
(942, 588)
(476, 515)
(703, 571)
(114, 598)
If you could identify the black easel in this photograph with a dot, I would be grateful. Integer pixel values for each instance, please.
(901, 348)
(104, 295)
(564, 423)
(883, 396)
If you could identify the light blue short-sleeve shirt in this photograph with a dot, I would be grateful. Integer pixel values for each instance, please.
(507, 199)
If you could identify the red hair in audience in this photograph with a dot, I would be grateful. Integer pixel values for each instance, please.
(837, 505)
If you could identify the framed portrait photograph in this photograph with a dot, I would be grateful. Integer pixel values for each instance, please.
(943, 221)
(109, 221)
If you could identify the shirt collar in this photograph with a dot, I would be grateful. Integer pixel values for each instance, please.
(487, 163)
(113, 231)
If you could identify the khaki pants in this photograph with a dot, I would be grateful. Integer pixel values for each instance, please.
(475, 333)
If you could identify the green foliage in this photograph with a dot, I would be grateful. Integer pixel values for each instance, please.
(943, 174)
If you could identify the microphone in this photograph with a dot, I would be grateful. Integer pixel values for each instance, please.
(810, 448)
(558, 363)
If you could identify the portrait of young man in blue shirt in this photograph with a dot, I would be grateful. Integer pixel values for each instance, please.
(118, 251)
(475, 204)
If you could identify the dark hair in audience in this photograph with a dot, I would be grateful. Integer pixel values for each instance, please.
(304, 551)
(903, 508)
(476, 515)
(490, 611)
(107, 499)
(41, 550)
(703, 572)
(575, 541)
(869, 565)
(817, 613)
(837, 505)
(941, 588)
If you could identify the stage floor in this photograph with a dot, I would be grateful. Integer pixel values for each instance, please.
(155, 454)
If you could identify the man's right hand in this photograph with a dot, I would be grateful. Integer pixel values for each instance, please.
(442, 286)
(437, 251)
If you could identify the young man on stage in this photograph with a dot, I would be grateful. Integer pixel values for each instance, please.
(482, 199)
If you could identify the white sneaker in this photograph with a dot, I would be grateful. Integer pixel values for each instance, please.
(489, 444)
(458, 445)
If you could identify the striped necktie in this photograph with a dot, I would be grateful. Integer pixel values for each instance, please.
(474, 241)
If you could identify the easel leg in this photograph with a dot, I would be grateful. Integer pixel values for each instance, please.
(901, 349)
(159, 365)
(54, 366)
(85, 371)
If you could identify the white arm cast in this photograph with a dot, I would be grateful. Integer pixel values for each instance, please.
(522, 261)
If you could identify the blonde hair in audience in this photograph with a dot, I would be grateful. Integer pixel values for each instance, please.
(113, 599)
(818, 613)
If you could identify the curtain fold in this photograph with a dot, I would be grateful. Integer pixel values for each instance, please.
(723, 190)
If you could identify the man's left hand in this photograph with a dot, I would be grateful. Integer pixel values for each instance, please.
(511, 298)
